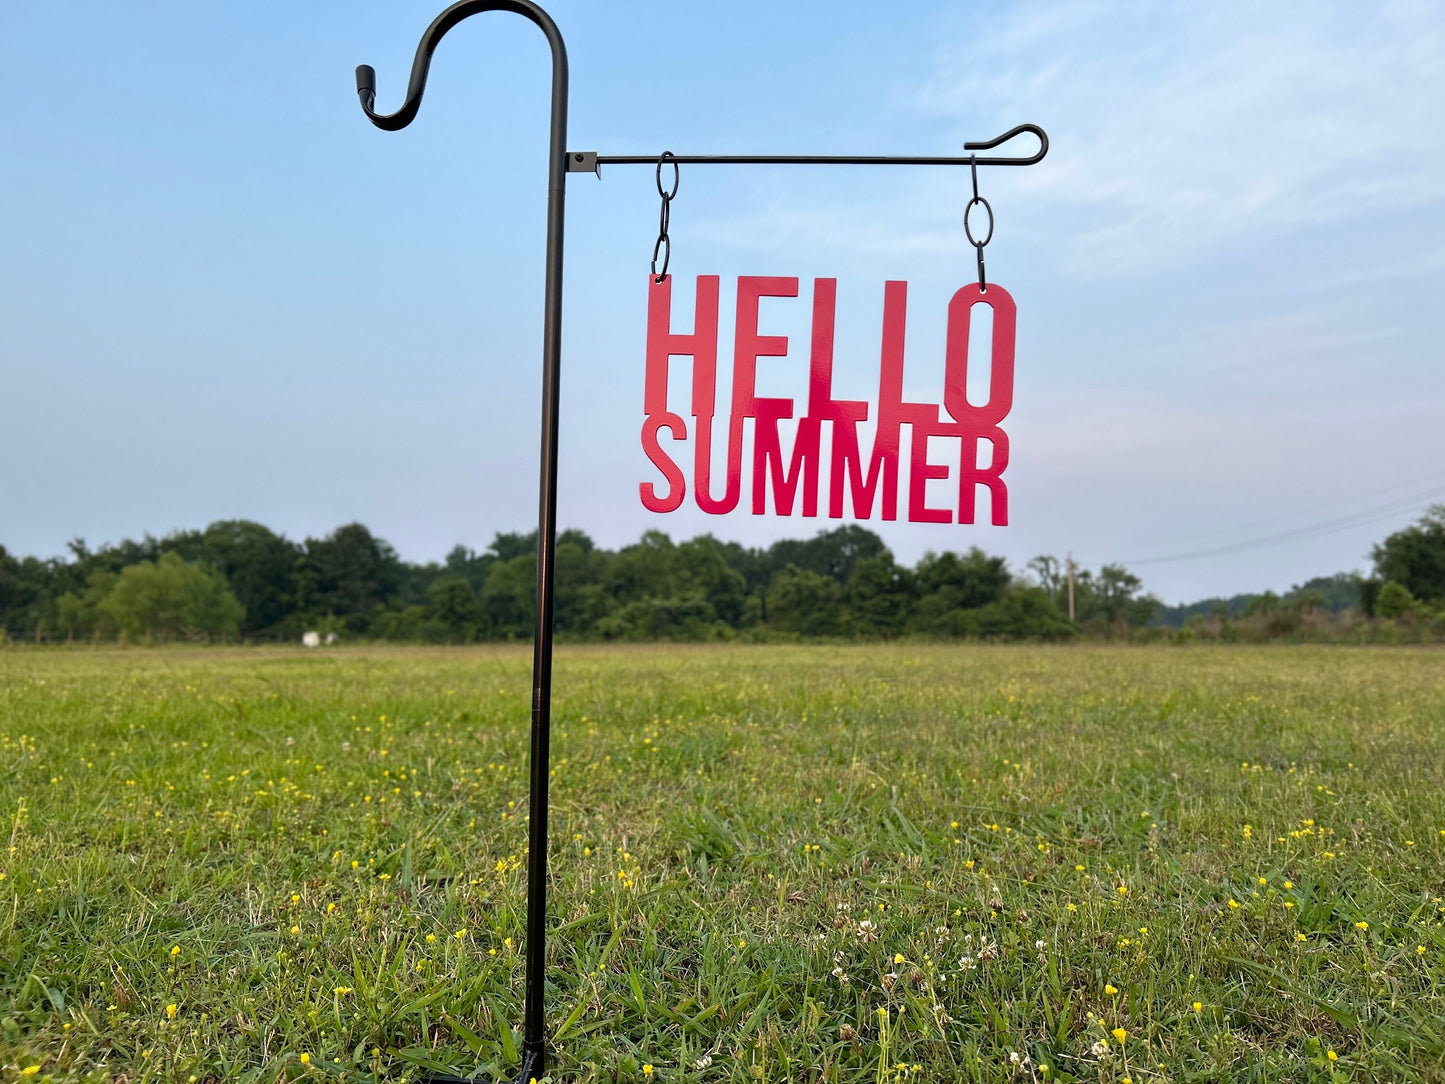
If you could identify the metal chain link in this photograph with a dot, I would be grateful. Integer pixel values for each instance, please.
(664, 243)
(968, 231)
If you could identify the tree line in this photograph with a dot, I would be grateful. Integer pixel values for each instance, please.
(1402, 600)
(239, 580)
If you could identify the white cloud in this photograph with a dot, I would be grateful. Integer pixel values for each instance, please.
(1182, 127)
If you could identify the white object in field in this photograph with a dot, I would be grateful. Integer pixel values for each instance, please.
(311, 638)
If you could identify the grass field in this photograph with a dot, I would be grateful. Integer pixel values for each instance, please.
(770, 863)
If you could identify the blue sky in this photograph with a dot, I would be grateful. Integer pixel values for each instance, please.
(223, 293)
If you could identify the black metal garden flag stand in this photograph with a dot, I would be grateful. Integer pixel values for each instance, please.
(560, 162)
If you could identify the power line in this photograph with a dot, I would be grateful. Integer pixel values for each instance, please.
(1430, 482)
(1299, 534)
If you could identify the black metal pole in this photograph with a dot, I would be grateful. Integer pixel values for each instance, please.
(534, 1041)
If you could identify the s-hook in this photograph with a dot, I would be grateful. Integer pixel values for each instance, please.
(968, 232)
(664, 243)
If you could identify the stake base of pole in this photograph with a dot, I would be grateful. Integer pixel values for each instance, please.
(526, 1075)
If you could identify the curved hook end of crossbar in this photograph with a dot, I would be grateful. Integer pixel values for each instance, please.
(989, 144)
(416, 87)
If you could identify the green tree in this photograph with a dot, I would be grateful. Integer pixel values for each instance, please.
(832, 553)
(170, 598)
(259, 565)
(85, 612)
(507, 547)
(1117, 591)
(1415, 557)
(452, 606)
(700, 568)
(470, 565)
(879, 596)
(1112, 599)
(1052, 575)
(18, 594)
(579, 599)
(1394, 601)
(348, 574)
(508, 602)
(949, 583)
(803, 601)
(643, 569)
(1020, 612)
(1332, 593)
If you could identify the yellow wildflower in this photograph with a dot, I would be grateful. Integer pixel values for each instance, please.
(1120, 1034)
(171, 1011)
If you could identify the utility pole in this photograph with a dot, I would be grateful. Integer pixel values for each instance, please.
(1071, 588)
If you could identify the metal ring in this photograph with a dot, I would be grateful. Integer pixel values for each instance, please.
(662, 241)
(969, 232)
(663, 159)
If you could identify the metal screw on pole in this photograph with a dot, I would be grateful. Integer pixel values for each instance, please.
(559, 164)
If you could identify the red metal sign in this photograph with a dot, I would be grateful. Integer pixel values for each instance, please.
(858, 477)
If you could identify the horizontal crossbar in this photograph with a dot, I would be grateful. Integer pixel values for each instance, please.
(591, 161)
